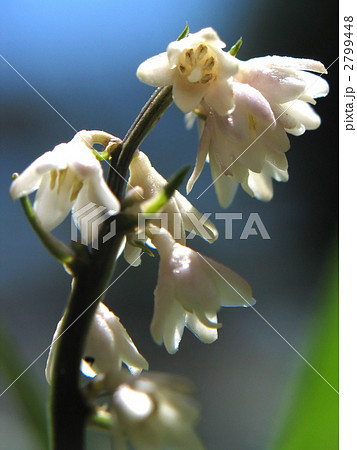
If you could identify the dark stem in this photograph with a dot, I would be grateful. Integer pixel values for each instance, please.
(69, 408)
(144, 123)
(92, 274)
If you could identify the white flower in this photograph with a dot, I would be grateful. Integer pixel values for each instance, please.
(191, 288)
(107, 346)
(248, 145)
(155, 413)
(197, 68)
(288, 86)
(178, 211)
(68, 177)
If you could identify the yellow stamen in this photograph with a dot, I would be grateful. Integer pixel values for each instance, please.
(77, 186)
(53, 175)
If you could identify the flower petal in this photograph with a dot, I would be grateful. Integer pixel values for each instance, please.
(201, 331)
(219, 96)
(98, 192)
(174, 326)
(126, 349)
(201, 156)
(304, 115)
(289, 62)
(316, 86)
(261, 185)
(132, 254)
(187, 95)
(278, 85)
(30, 178)
(191, 220)
(224, 185)
(51, 205)
(233, 289)
(156, 71)
(163, 304)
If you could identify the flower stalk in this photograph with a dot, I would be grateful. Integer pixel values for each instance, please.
(144, 123)
(56, 248)
(92, 274)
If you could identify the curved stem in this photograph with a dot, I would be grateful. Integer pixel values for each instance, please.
(92, 273)
(144, 123)
(68, 406)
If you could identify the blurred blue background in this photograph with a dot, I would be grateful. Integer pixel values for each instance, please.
(82, 58)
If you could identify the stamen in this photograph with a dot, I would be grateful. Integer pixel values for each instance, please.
(77, 186)
(189, 56)
(206, 78)
(209, 63)
(200, 52)
(252, 122)
(53, 175)
(61, 177)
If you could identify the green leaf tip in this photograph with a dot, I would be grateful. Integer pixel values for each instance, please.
(175, 181)
(184, 33)
(236, 47)
(101, 156)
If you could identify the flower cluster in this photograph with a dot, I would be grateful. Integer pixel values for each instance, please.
(153, 411)
(191, 288)
(156, 412)
(245, 111)
(198, 70)
(243, 135)
(108, 345)
(68, 178)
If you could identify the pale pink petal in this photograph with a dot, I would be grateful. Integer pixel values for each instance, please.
(277, 85)
(289, 62)
(252, 101)
(219, 96)
(224, 186)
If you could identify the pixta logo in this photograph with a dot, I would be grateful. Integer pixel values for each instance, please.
(89, 219)
(253, 226)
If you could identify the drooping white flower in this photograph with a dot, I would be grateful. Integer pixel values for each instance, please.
(240, 143)
(248, 145)
(289, 87)
(191, 289)
(178, 215)
(197, 68)
(68, 177)
(107, 346)
(155, 413)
